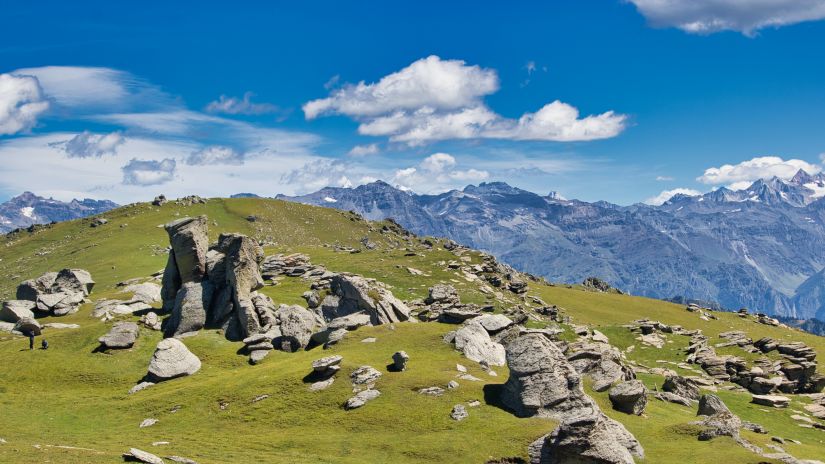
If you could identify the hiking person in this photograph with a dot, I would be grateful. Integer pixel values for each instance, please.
(31, 340)
(44, 344)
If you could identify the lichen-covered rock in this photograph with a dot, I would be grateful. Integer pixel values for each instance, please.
(296, 325)
(361, 398)
(600, 361)
(358, 294)
(171, 360)
(13, 310)
(399, 360)
(364, 375)
(587, 439)
(121, 335)
(681, 386)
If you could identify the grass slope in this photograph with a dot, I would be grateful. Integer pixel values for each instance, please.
(70, 405)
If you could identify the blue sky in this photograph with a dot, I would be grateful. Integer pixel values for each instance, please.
(108, 101)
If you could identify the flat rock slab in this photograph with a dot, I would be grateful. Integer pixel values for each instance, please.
(361, 398)
(364, 375)
(142, 456)
(774, 401)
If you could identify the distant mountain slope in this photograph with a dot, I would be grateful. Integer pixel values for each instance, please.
(762, 247)
(28, 208)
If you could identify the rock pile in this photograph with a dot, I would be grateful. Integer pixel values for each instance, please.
(543, 383)
(363, 381)
(324, 371)
(52, 294)
(143, 296)
(293, 265)
(798, 365)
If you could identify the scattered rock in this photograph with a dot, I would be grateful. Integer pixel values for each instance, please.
(587, 438)
(135, 454)
(710, 405)
(452, 385)
(14, 310)
(328, 365)
(364, 375)
(148, 423)
(431, 391)
(121, 335)
(459, 413)
(361, 398)
(629, 397)
(672, 398)
(172, 359)
(774, 401)
(681, 386)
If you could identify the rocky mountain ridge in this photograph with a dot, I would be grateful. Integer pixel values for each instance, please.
(27, 209)
(762, 247)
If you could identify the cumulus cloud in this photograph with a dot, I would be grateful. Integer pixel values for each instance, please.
(319, 174)
(748, 171)
(21, 103)
(745, 16)
(668, 194)
(149, 172)
(364, 150)
(87, 144)
(243, 105)
(215, 154)
(434, 99)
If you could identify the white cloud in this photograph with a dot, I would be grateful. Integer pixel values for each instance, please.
(756, 168)
(215, 154)
(668, 194)
(438, 162)
(434, 99)
(364, 150)
(86, 144)
(21, 102)
(745, 16)
(149, 172)
(244, 105)
(436, 173)
(664, 178)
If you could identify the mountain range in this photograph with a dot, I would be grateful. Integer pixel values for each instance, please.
(28, 209)
(762, 247)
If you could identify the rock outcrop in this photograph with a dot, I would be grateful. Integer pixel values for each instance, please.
(54, 293)
(475, 342)
(629, 397)
(543, 383)
(121, 335)
(171, 360)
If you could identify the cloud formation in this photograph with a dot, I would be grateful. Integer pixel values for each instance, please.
(359, 151)
(749, 171)
(436, 173)
(243, 105)
(434, 99)
(668, 194)
(149, 172)
(745, 16)
(215, 154)
(87, 144)
(21, 103)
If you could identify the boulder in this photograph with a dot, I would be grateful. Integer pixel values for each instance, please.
(364, 375)
(172, 359)
(27, 326)
(30, 289)
(399, 360)
(297, 325)
(599, 361)
(328, 365)
(587, 438)
(74, 281)
(629, 397)
(472, 340)
(723, 423)
(57, 293)
(459, 413)
(135, 454)
(710, 405)
(774, 401)
(493, 323)
(681, 386)
(14, 310)
(361, 398)
(146, 292)
(189, 312)
(442, 294)
(121, 335)
(151, 320)
(672, 398)
(189, 240)
(542, 383)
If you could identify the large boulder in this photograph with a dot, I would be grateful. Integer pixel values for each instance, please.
(600, 361)
(121, 335)
(30, 289)
(190, 240)
(629, 397)
(442, 294)
(356, 294)
(710, 405)
(681, 386)
(57, 293)
(191, 303)
(74, 281)
(472, 340)
(296, 325)
(172, 359)
(14, 310)
(542, 383)
(27, 326)
(587, 439)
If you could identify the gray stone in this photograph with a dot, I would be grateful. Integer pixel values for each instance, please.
(257, 356)
(143, 456)
(710, 405)
(672, 398)
(459, 413)
(587, 438)
(472, 340)
(327, 364)
(681, 386)
(146, 292)
(172, 359)
(148, 422)
(629, 397)
(361, 398)
(775, 401)
(431, 391)
(13, 310)
(121, 335)
(297, 325)
(452, 385)
(358, 294)
(364, 375)
(442, 293)
(27, 325)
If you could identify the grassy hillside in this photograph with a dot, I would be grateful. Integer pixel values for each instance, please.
(69, 404)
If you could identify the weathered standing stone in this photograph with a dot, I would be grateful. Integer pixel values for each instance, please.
(629, 397)
(190, 241)
(297, 325)
(399, 360)
(191, 303)
(172, 359)
(710, 405)
(121, 335)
